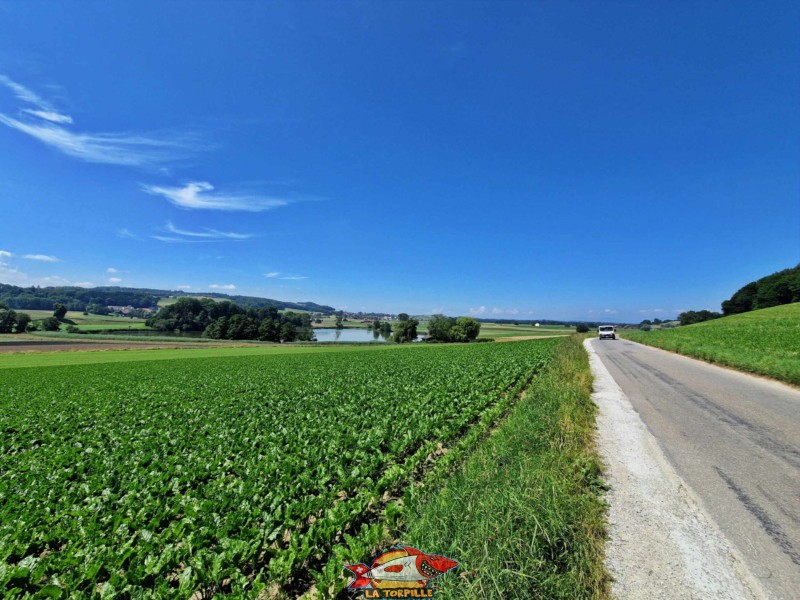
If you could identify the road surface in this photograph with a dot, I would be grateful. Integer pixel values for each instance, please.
(735, 440)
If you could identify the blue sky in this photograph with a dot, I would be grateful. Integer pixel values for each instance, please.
(615, 160)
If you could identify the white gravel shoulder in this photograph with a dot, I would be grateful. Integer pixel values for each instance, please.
(661, 542)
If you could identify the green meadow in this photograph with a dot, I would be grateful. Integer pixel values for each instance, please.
(765, 342)
(90, 322)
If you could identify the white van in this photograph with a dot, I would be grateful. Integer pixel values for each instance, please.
(607, 331)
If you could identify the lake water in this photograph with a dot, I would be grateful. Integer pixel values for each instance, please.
(322, 335)
(348, 335)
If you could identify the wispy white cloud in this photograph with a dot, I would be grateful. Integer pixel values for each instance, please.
(13, 276)
(225, 286)
(178, 240)
(609, 311)
(41, 257)
(116, 148)
(200, 195)
(86, 284)
(6, 254)
(48, 115)
(21, 92)
(127, 234)
(183, 287)
(208, 234)
(54, 280)
(276, 275)
(114, 280)
(111, 270)
(477, 311)
(505, 311)
(45, 109)
(128, 149)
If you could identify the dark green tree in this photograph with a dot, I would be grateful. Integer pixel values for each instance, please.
(582, 328)
(50, 324)
(471, 327)
(269, 331)
(23, 320)
(241, 327)
(405, 331)
(403, 317)
(288, 332)
(439, 328)
(59, 310)
(8, 319)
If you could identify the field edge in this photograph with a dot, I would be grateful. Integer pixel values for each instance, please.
(524, 513)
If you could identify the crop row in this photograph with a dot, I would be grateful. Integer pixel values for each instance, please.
(173, 476)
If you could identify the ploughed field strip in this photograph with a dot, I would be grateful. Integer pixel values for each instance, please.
(233, 474)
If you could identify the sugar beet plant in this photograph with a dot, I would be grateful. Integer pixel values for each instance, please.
(227, 475)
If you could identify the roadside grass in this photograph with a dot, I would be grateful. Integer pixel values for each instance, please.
(524, 515)
(765, 342)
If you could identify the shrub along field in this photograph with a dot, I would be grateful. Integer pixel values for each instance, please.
(764, 341)
(246, 473)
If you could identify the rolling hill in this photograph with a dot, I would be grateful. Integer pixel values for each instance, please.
(766, 341)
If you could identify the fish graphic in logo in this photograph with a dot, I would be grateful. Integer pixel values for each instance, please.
(402, 572)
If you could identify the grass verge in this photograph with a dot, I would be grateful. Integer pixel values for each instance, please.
(524, 514)
(766, 342)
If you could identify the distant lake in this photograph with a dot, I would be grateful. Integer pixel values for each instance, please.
(322, 335)
(348, 335)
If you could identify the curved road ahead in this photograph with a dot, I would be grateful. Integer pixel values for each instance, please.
(735, 440)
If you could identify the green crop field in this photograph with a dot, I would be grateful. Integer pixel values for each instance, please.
(93, 357)
(500, 330)
(764, 341)
(233, 474)
(90, 322)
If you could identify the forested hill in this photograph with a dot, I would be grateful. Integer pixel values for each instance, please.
(76, 298)
(779, 288)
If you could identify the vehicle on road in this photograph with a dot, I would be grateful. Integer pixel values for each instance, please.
(607, 331)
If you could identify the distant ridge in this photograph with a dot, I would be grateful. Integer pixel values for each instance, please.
(76, 298)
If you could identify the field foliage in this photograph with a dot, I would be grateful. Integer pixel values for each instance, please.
(231, 475)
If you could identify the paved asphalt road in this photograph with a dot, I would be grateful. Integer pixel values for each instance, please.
(735, 440)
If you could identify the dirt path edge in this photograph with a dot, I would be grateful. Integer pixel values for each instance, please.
(662, 544)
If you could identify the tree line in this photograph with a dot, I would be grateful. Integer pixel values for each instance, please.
(450, 329)
(11, 321)
(228, 321)
(779, 288)
(74, 298)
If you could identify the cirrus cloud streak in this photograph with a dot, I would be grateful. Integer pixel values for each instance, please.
(200, 195)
